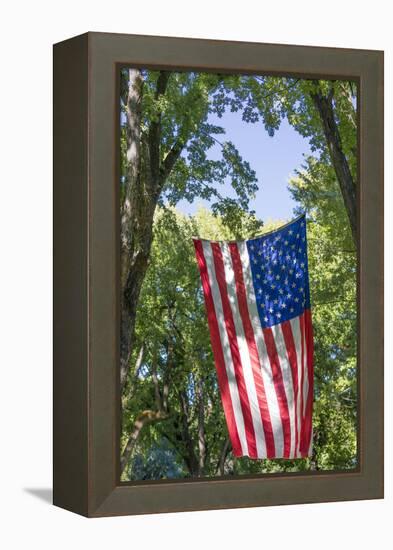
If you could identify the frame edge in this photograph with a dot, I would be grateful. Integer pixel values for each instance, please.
(70, 299)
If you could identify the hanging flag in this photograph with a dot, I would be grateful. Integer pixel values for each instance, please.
(258, 308)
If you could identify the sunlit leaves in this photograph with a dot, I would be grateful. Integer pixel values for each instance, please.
(172, 307)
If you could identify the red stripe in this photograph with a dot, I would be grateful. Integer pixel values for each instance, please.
(230, 327)
(217, 350)
(310, 373)
(279, 387)
(301, 446)
(292, 359)
(253, 350)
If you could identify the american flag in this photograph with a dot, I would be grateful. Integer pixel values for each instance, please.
(258, 308)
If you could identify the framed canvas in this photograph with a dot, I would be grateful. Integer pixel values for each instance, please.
(147, 418)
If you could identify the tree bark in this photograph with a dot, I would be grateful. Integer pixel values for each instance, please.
(128, 257)
(140, 201)
(324, 106)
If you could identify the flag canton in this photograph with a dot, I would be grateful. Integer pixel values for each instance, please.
(280, 273)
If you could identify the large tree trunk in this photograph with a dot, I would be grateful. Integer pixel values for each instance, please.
(324, 106)
(130, 258)
(137, 265)
(141, 194)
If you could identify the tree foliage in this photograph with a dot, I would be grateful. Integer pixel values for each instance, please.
(173, 423)
(192, 439)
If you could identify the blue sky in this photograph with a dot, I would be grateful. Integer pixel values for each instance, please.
(273, 159)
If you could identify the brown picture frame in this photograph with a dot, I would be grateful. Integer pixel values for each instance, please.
(86, 267)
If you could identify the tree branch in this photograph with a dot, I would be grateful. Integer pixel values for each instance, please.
(145, 418)
(170, 160)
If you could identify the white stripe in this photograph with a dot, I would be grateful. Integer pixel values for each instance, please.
(288, 382)
(307, 386)
(295, 326)
(267, 375)
(244, 353)
(305, 381)
(233, 389)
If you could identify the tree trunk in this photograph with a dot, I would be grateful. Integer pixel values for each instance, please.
(324, 106)
(137, 266)
(140, 200)
(128, 259)
(148, 171)
(223, 456)
(189, 456)
(201, 429)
